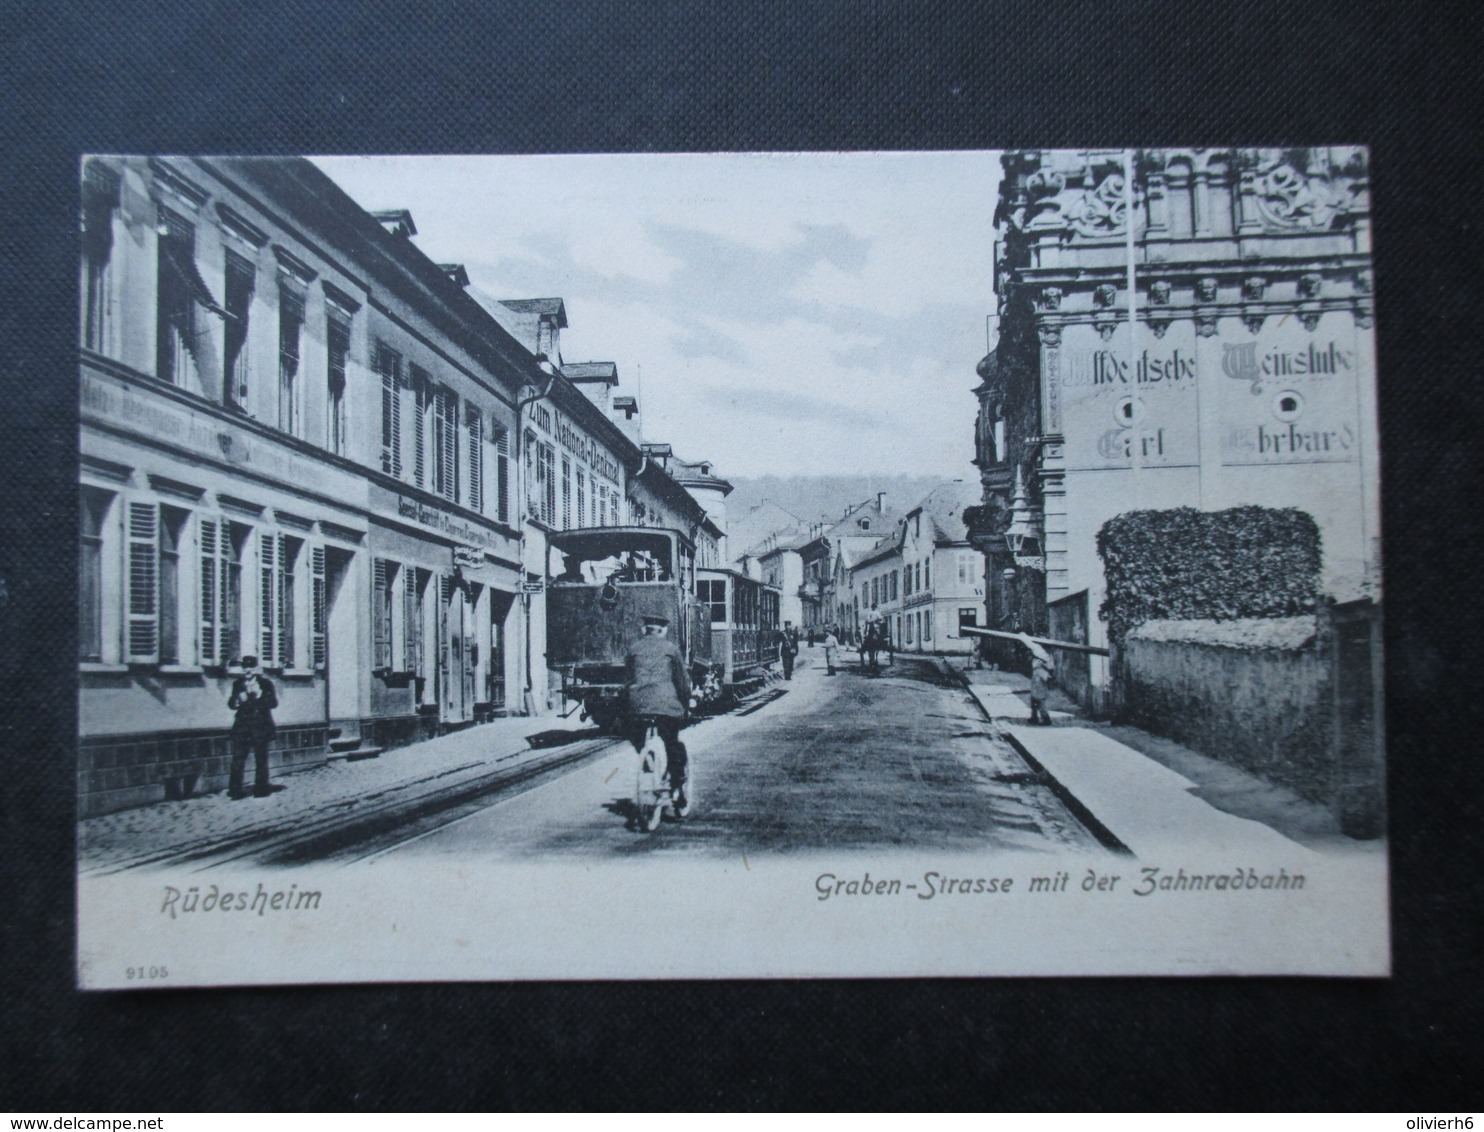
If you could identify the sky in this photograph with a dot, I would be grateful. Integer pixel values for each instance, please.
(788, 314)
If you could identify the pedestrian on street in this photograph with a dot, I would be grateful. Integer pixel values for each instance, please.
(658, 691)
(831, 646)
(253, 699)
(788, 649)
(1040, 682)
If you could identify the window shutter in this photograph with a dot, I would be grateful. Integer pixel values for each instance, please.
(421, 400)
(566, 493)
(380, 619)
(448, 443)
(318, 613)
(143, 631)
(476, 459)
(285, 613)
(412, 622)
(502, 473)
(211, 572)
(267, 598)
(391, 414)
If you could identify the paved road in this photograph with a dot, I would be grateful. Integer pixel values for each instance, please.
(902, 760)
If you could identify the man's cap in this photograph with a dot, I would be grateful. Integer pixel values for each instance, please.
(662, 622)
(249, 662)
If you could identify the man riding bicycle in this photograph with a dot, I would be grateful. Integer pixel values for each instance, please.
(658, 690)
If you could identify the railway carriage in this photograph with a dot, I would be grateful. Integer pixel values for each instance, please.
(609, 580)
(602, 583)
(744, 617)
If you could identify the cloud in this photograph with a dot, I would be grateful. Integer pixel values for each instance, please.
(799, 408)
(703, 341)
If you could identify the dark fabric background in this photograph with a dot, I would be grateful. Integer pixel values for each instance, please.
(211, 76)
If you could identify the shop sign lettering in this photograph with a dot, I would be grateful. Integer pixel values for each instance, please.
(1241, 361)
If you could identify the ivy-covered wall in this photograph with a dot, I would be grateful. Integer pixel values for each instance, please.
(1184, 564)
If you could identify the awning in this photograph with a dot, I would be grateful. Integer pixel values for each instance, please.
(176, 254)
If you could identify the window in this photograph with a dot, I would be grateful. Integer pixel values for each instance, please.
(907, 583)
(548, 484)
(566, 493)
(422, 411)
(533, 487)
(337, 353)
(927, 574)
(893, 581)
(278, 559)
(153, 556)
(581, 497)
(92, 514)
(502, 473)
(177, 295)
(446, 443)
(241, 280)
(220, 580)
(909, 630)
(389, 366)
(100, 199)
(927, 625)
(712, 593)
(383, 584)
(968, 618)
(475, 424)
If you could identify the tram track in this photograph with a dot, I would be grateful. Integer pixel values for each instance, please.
(370, 824)
(366, 826)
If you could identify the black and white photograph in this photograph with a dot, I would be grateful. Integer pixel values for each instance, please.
(753, 564)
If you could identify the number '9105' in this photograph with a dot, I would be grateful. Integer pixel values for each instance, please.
(146, 973)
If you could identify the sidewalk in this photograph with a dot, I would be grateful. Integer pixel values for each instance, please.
(1151, 793)
(339, 785)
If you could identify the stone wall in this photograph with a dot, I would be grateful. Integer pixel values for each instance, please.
(1254, 693)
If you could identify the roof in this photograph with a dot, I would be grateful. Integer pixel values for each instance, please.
(945, 506)
(540, 307)
(590, 373)
(885, 548)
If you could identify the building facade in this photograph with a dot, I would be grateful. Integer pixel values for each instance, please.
(1176, 328)
(942, 576)
(296, 444)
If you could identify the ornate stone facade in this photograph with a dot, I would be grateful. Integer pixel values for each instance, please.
(1239, 369)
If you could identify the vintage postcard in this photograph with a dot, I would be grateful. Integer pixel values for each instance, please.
(729, 565)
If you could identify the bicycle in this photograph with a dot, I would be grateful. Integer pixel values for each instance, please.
(653, 794)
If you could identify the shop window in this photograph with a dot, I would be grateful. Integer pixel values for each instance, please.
(337, 355)
(241, 279)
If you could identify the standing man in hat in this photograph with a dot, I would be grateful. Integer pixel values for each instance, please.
(788, 649)
(658, 689)
(253, 699)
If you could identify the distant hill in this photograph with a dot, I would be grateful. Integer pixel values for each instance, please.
(810, 498)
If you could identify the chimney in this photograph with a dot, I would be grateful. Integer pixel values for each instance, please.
(881, 501)
(397, 221)
(456, 274)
